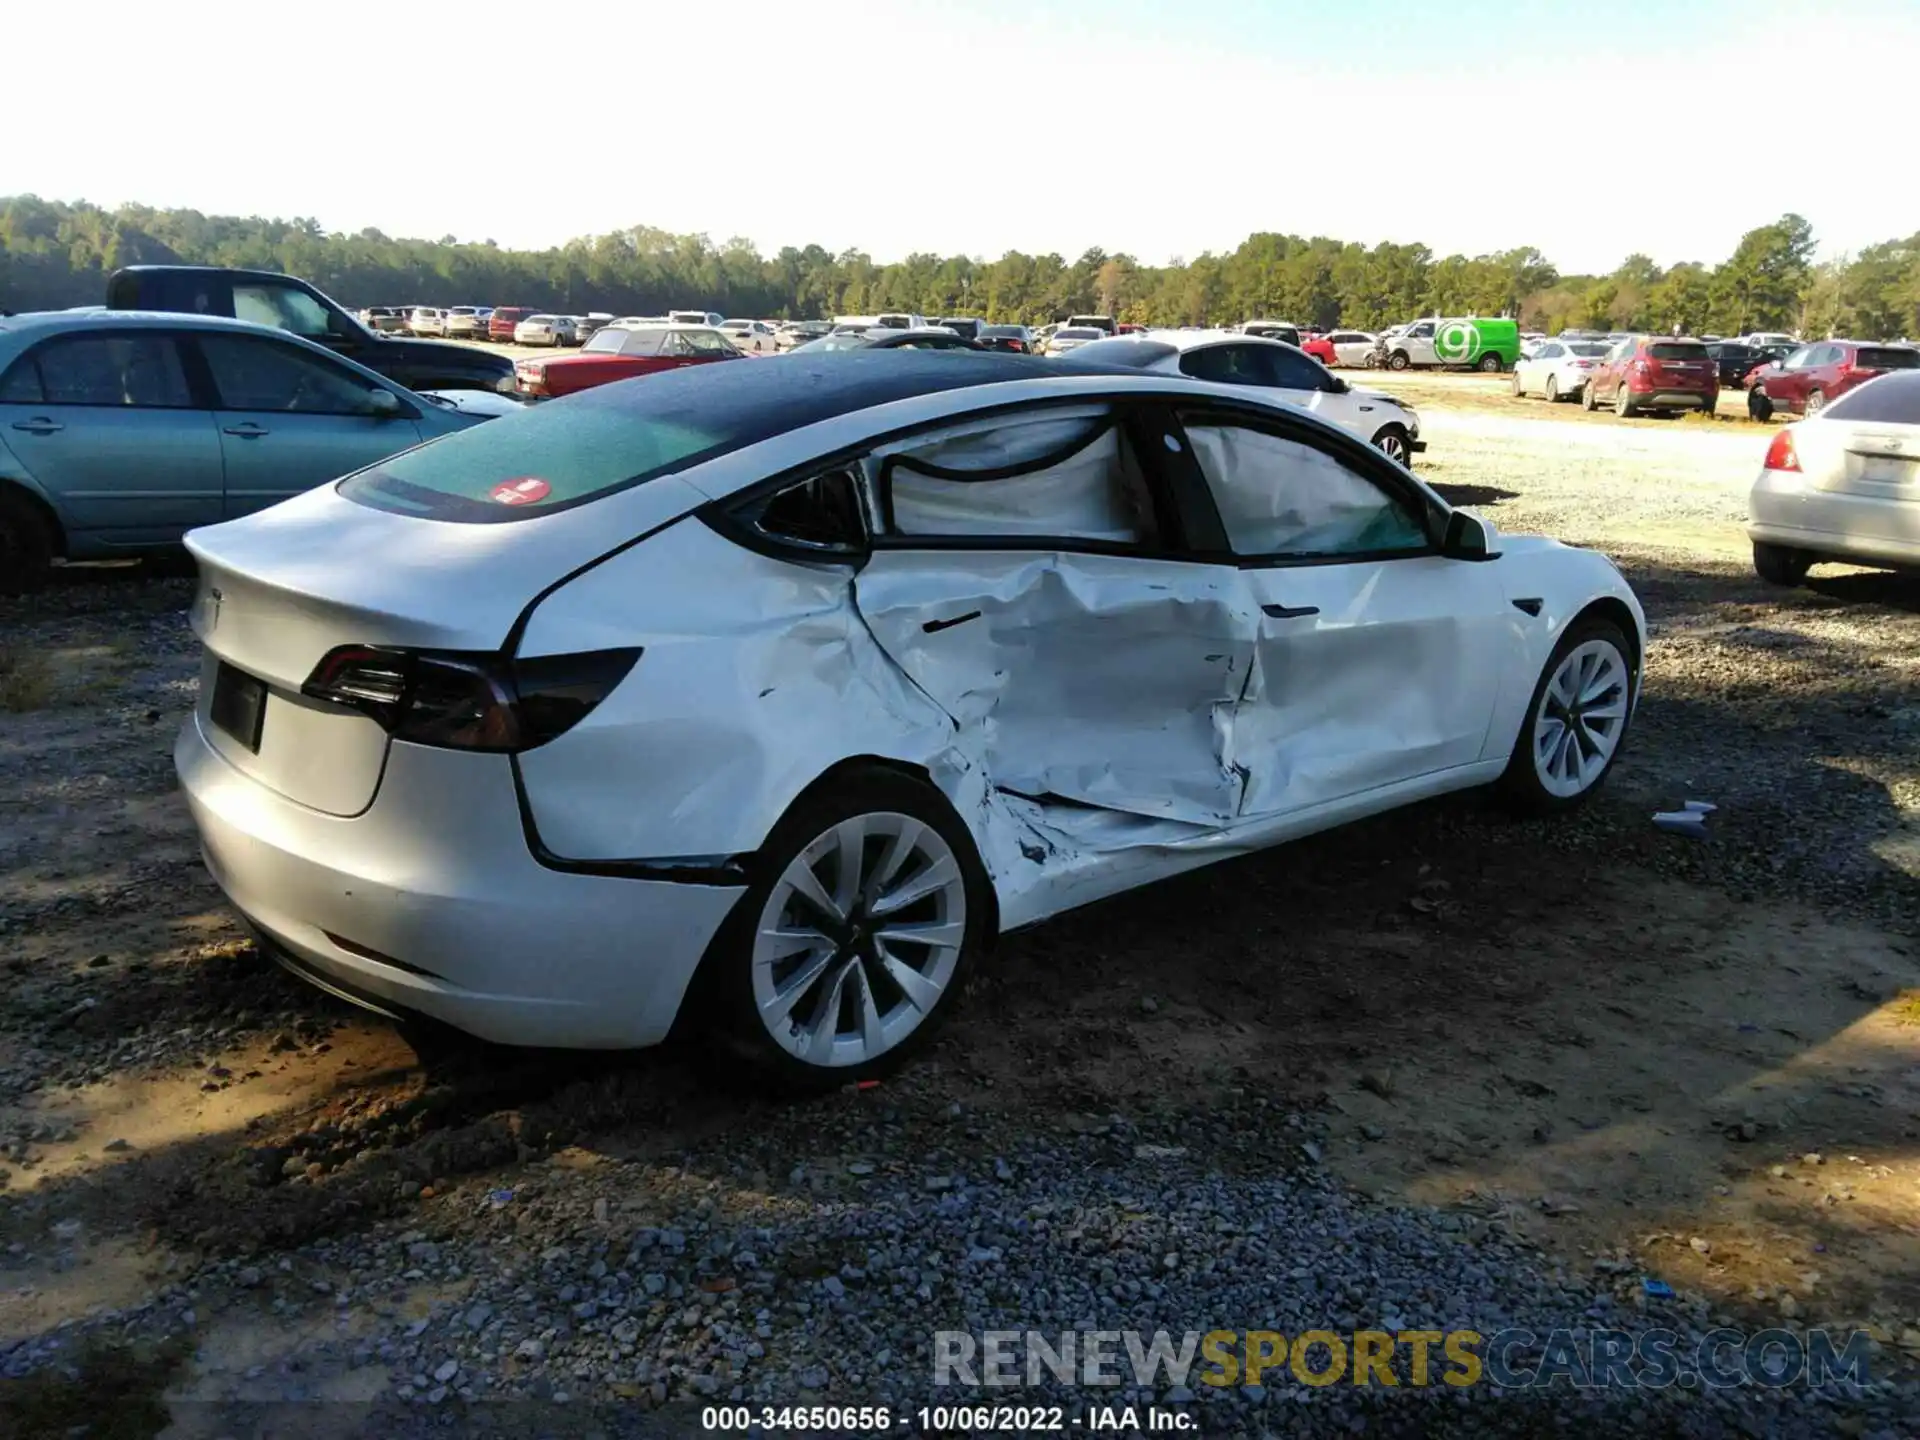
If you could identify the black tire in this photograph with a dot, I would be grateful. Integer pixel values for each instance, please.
(27, 545)
(1623, 402)
(1759, 407)
(726, 992)
(1781, 564)
(1816, 402)
(1553, 390)
(1393, 441)
(1519, 390)
(1490, 364)
(1589, 397)
(1520, 785)
(1398, 360)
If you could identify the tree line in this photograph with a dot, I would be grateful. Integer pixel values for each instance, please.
(54, 254)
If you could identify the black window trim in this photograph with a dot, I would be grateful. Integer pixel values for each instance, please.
(306, 349)
(1133, 413)
(1363, 459)
(1184, 509)
(197, 394)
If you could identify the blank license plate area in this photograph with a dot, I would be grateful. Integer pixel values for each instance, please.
(239, 705)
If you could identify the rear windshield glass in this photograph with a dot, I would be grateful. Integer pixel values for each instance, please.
(1580, 348)
(1080, 332)
(591, 444)
(1666, 350)
(1013, 330)
(1890, 400)
(1886, 357)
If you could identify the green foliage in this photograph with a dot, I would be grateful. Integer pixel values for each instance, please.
(54, 254)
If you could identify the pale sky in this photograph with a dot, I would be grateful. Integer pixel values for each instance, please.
(1162, 129)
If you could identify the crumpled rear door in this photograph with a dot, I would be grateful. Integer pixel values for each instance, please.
(1105, 680)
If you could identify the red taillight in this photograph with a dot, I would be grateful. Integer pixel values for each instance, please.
(1781, 455)
(464, 701)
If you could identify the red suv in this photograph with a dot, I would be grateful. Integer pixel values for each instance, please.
(1806, 380)
(500, 324)
(1645, 372)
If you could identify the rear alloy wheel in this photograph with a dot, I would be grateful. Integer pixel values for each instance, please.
(1553, 389)
(1759, 407)
(863, 922)
(1490, 364)
(1576, 721)
(1623, 402)
(1816, 402)
(1780, 564)
(1392, 442)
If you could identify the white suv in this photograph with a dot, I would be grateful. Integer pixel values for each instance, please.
(1389, 425)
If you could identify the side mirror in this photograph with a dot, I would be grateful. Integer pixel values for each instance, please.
(1467, 537)
(1337, 386)
(384, 404)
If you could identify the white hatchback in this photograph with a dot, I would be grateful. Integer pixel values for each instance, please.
(766, 695)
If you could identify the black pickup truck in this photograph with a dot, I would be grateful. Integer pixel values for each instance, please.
(289, 304)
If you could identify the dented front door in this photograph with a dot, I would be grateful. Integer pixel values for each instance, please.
(1367, 674)
(1104, 680)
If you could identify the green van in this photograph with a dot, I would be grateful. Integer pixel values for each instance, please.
(1466, 342)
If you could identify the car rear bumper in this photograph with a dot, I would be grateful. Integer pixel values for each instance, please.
(1783, 510)
(431, 902)
(1670, 399)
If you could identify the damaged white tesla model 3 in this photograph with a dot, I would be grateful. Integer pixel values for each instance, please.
(763, 697)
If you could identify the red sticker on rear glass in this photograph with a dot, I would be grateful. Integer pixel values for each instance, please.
(528, 491)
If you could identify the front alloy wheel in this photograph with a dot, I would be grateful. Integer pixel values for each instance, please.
(858, 940)
(1576, 721)
(1392, 442)
(1581, 717)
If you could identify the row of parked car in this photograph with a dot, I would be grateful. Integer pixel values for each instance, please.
(1660, 374)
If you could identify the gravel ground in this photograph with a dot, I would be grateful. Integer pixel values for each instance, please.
(1121, 1130)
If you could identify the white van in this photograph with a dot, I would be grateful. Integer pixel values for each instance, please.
(694, 317)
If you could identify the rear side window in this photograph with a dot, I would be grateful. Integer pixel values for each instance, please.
(1886, 357)
(1890, 400)
(1034, 477)
(1666, 350)
(139, 371)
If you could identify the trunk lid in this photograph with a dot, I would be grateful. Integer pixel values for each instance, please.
(1874, 460)
(281, 588)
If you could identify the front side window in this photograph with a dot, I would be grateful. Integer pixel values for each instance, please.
(1421, 332)
(1280, 497)
(704, 343)
(141, 371)
(1225, 364)
(1045, 476)
(255, 374)
(282, 308)
(1800, 359)
(1291, 370)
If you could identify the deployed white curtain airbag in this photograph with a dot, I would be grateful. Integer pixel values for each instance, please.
(1279, 497)
(1083, 495)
